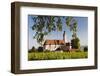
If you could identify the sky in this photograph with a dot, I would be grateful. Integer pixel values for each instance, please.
(82, 32)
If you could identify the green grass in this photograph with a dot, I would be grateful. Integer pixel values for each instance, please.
(56, 55)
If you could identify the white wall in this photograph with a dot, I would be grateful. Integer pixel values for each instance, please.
(5, 33)
(51, 47)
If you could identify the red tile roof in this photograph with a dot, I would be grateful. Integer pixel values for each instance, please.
(54, 42)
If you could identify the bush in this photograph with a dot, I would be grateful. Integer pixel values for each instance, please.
(33, 49)
(75, 43)
(40, 49)
(85, 49)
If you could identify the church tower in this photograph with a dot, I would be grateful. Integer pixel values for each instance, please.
(64, 37)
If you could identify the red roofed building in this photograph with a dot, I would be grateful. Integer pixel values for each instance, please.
(53, 45)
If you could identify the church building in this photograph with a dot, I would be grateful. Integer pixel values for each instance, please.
(54, 45)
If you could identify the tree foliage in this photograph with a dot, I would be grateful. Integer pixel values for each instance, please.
(85, 49)
(32, 49)
(72, 24)
(75, 43)
(40, 49)
(43, 25)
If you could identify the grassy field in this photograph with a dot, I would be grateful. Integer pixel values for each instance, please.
(56, 55)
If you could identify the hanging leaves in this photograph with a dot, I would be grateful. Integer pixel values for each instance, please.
(43, 25)
(72, 24)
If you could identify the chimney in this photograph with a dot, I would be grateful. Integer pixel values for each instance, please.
(64, 37)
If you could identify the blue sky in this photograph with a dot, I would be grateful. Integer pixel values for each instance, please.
(82, 32)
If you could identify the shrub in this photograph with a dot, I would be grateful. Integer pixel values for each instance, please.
(85, 49)
(40, 49)
(32, 50)
(75, 43)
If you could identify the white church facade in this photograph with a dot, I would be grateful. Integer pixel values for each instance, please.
(54, 45)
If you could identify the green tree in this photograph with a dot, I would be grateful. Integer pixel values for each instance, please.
(75, 43)
(32, 49)
(85, 49)
(43, 25)
(40, 49)
(72, 24)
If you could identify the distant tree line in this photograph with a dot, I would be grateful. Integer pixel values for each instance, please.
(41, 49)
(33, 49)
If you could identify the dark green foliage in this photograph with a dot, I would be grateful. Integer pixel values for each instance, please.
(32, 50)
(75, 43)
(40, 49)
(85, 49)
